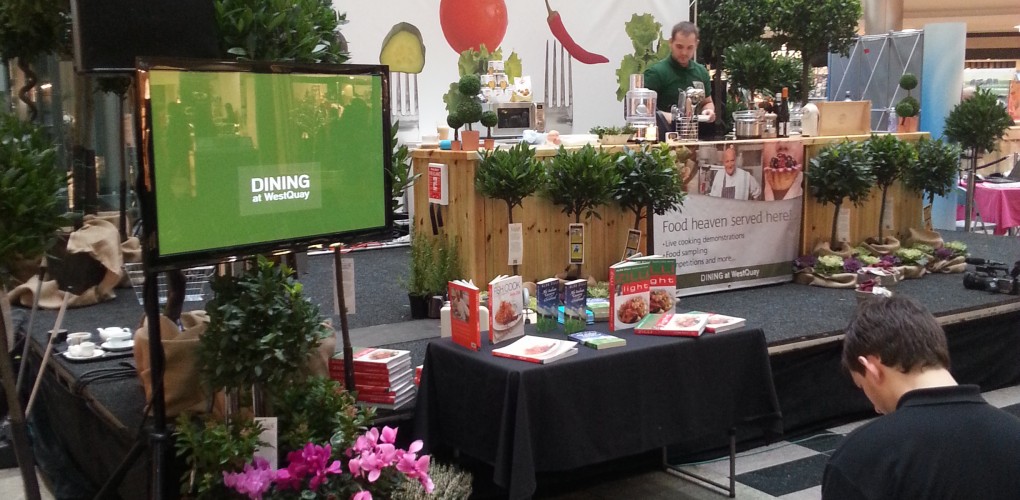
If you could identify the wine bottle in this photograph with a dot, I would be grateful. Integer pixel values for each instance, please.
(783, 115)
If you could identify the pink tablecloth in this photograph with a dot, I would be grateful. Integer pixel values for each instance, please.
(998, 203)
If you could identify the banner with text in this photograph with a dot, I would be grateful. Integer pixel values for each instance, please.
(740, 224)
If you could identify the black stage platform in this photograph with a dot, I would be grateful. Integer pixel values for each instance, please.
(801, 324)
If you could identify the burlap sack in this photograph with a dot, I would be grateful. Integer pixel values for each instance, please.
(823, 248)
(839, 280)
(100, 240)
(957, 264)
(318, 360)
(930, 238)
(887, 246)
(911, 272)
(183, 391)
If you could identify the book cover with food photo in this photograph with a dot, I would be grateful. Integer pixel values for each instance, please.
(464, 326)
(662, 283)
(629, 288)
(673, 324)
(718, 323)
(506, 308)
(537, 349)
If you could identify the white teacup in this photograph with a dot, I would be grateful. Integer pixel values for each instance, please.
(82, 350)
(78, 337)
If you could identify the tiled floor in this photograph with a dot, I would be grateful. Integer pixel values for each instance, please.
(789, 470)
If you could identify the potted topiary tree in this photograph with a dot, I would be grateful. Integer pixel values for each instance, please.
(890, 157)
(30, 216)
(750, 66)
(509, 175)
(581, 181)
(489, 119)
(455, 123)
(840, 171)
(814, 28)
(469, 109)
(908, 107)
(648, 183)
(934, 172)
(976, 124)
(261, 331)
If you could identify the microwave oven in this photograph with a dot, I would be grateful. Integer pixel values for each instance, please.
(513, 118)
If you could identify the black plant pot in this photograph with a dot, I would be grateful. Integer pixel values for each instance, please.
(419, 305)
(435, 306)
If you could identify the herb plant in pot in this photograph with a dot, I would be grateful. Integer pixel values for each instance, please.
(434, 262)
(580, 181)
(890, 157)
(977, 124)
(511, 176)
(648, 183)
(908, 108)
(839, 172)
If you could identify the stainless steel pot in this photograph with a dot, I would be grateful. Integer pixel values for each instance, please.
(747, 125)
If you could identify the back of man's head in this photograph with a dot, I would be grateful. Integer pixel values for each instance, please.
(900, 331)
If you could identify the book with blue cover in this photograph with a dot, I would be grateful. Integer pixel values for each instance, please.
(575, 296)
(547, 297)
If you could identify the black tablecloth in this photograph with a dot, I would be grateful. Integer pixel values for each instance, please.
(598, 405)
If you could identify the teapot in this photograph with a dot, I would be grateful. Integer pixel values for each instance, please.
(114, 333)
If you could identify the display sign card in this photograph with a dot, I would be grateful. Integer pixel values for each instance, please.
(515, 242)
(843, 224)
(633, 240)
(927, 217)
(576, 239)
(439, 184)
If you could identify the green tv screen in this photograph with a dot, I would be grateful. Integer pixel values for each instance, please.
(249, 161)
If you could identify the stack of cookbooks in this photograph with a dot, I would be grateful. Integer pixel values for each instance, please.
(690, 324)
(383, 378)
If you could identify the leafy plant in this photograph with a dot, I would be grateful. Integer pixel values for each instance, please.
(281, 30)
(600, 290)
(815, 28)
(581, 180)
(30, 213)
(210, 447)
(319, 410)
(750, 66)
(890, 157)
(908, 106)
(445, 266)
(912, 257)
(978, 123)
(455, 122)
(649, 182)
(787, 74)
(29, 30)
(840, 171)
(434, 262)
(726, 23)
(935, 170)
(261, 329)
(509, 175)
(399, 171)
(612, 130)
(649, 47)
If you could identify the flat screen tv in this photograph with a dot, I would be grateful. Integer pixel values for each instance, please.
(245, 158)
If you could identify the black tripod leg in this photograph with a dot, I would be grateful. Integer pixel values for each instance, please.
(109, 488)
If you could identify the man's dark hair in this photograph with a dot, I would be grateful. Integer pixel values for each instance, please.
(900, 331)
(686, 28)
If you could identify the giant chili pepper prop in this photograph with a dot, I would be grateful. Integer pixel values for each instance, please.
(575, 50)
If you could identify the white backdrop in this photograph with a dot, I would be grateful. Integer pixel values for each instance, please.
(597, 26)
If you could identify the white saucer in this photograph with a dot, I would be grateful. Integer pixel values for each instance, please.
(118, 345)
(97, 353)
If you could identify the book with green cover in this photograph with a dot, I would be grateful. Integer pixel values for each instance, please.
(598, 340)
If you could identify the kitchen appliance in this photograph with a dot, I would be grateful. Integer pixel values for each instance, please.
(639, 104)
(513, 118)
(747, 124)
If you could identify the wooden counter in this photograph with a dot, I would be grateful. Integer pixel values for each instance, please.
(479, 224)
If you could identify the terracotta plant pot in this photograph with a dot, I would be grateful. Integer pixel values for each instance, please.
(454, 145)
(469, 140)
(907, 124)
(490, 143)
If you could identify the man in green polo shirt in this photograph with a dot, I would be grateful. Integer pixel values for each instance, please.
(676, 73)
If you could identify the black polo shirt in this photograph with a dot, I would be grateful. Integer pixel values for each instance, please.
(944, 442)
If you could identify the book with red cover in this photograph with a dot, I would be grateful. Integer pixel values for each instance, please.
(629, 288)
(417, 374)
(506, 308)
(372, 360)
(387, 397)
(382, 395)
(537, 349)
(364, 382)
(673, 324)
(464, 327)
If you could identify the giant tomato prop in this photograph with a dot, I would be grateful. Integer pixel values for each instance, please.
(469, 23)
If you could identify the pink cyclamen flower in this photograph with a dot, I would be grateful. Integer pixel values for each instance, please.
(254, 481)
(389, 435)
(362, 495)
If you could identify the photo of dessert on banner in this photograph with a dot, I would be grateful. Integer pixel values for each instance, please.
(783, 170)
